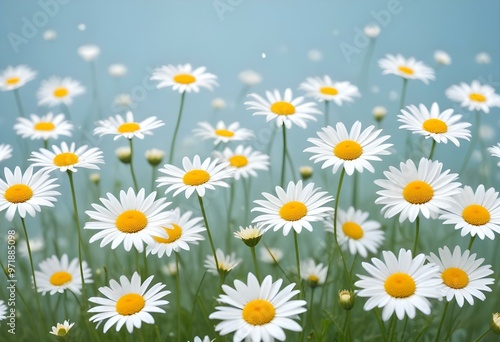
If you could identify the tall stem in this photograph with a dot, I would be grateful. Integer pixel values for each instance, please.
(327, 112)
(256, 264)
(283, 160)
(172, 144)
(178, 289)
(132, 164)
(297, 259)
(415, 244)
(200, 200)
(441, 321)
(471, 241)
(403, 94)
(229, 234)
(337, 200)
(19, 103)
(472, 145)
(433, 147)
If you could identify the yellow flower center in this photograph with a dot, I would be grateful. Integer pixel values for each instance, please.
(418, 192)
(196, 177)
(352, 230)
(313, 278)
(476, 214)
(455, 278)
(130, 304)
(129, 127)
(348, 150)
(224, 133)
(477, 97)
(435, 126)
(60, 278)
(12, 80)
(44, 126)
(328, 91)
(62, 332)
(258, 312)
(65, 159)
(61, 92)
(184, 79)
(174, 234)
(406, 70)
(18, 193)
(283, 108)
(131, 221)
(400, 285)
(293, 211)
(238, 161)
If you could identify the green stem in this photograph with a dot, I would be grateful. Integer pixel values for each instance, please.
(482, 335)
(132, 164)
(256, 264)
(472, 145)
(221, 275)
(246, 190)
(363, 77)
(403, 93)
(471, 241)
(346, 328)
(283, 161)
(433, 147)
(178, 289)
(415, 244)
(297, 259)
(327, 112)
(441, 321)
(380, 324)
(292, 167)
(229, 234)
(355, 181)
(153, 176)
(19, 103)
(172, 145)
(46, 144)
(337, 200)
(394, 330)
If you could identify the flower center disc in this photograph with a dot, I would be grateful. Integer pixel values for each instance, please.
(60, 278)
(283, 108)
(418, 192)
(224, 133)
(61, 92)
(258, 312)
(238, 161)
(400, 285)
(477, 97)
(184, 79)
(173, 234)
(435, 126)
(196, 177)
(405, 70)
(18, 193)
(12, 80)
(293, 211)
(131, 221)
(353, 230)
(328, 91)
(65, 159)
(476, 214)
(130, 304)
(44, 126)
(313, 278)
(348, 150)
(129, 127)
(455, 278)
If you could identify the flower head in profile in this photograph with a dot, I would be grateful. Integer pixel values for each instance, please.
(442, 57)
(244, 161)
(222, 133)
(183, 78)
(270, 255)
(495, 152)
(88, 52)
(62, 329)
(249, 77)
(475, 96)
(5, 152)
(285, 109)
(128, 127)
(44, 127)
(15, 77)
(225, 263)
(56, 91)
(407, 68)
(128, 303)
(324, 89)
(67, 158)
(313, 273)
(249, 235)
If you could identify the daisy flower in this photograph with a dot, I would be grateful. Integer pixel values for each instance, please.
(475, 213)
(182, 230)
(43, 127)
(67, 158)
(324, 89)
(3, 310)
(244, 161)
(183, 78)
(474, 96)
(222, 133)
(286, 110)
(494, 151)
(353, 150)
(314, 274)
(440, 126)
(127, 127)
(357, 233)
(295, 208)
(225, 262)
(462, 275)
(5, 152)
(199, 339)
(399, 284)
(407, 68)
(271, 255)
(57, 276)
(249, 77)
(56, 91)
(132, 220)
(62, 329)
(88, 52)
(15, 77)
(196, 176)
(258, 312)
(26, 193)
(412, 190)
(250, 235)
(128, 303)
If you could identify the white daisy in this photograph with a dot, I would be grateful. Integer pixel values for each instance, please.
(295, 208)
(37, 244)
(324, 89)
(271, 255)
(249, 77)
(62, 329)
(15, 77)
(128, 303)
(286, 110)
(225, 263)
(67, 158)
(407, 68)
(442, 57)
(183, 78)
(88, 52)
(353, 150)
(56, 90)
(222, 133)
(356, 233)
(196, 176)
(43, 127)
(462, 275)
(205, 339)
(127, 127)
(244, 160)
(250, 235)
(182, 230)
(258, 312)
(26, 193)
(399, 284)
(440, 126)
(3, 310)
(313, 273)
(132, 220)
(474, 96)
(475, 213)
(495, 151)
(57, 276)
(5, 152)
(413, 190)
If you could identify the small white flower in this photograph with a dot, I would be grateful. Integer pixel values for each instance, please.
(372, 30)
(442, 57)
(89, 52)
